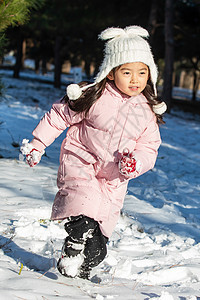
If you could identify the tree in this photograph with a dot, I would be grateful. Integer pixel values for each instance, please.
(73, 27)
(169, 52)
(68, 30)
(15, 12)
(152, 22)
(187, 41)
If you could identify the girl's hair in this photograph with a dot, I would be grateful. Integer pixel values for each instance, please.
(152, 100)
(88, 97)
(92, 94)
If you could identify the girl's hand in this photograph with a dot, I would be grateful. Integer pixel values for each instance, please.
(33, 156)
(128, 163)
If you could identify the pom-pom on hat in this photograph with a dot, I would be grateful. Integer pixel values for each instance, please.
(74, 91)
(123, 46)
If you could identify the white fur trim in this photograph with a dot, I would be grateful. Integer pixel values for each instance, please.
(160, 108)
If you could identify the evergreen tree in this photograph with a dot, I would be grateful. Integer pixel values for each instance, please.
(15, 13)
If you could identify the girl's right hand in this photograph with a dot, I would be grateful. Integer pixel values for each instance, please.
(33, 156)
(128, 164)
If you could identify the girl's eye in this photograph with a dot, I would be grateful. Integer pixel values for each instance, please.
(126, 73)
(142, 73)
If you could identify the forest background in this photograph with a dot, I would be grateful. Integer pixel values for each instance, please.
(64, 34)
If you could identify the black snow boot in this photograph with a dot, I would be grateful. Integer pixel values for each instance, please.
(83, 249)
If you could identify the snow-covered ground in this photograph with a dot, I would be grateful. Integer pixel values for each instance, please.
(154, 252)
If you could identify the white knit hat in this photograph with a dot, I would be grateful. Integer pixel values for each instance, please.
(126, 46)
(123, 46)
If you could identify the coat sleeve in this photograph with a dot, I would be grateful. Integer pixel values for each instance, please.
(146, 149)
(53, 124)
(147, 145)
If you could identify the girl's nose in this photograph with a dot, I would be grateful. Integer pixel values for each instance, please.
(134, 78)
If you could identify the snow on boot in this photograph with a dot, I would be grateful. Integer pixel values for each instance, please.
(71, 257)
(70, 266)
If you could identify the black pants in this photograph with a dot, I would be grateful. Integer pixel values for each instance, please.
(84, 235)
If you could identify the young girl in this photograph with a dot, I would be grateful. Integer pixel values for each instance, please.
(113, 137)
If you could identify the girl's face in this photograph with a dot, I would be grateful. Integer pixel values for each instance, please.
(131, 78)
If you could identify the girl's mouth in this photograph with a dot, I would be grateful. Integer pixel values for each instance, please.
(133, 88)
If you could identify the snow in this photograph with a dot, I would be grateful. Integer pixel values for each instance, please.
(154, 252)
(71, 265)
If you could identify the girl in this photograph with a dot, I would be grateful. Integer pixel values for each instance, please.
(113, 136)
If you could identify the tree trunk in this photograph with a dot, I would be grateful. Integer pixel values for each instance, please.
(87, 68)
(152, 19)
(19, 54)
(169, 52)
(195, 63)
(57, 62)
(23, 53)
(37, 65)
(44, 66)
(195, 86)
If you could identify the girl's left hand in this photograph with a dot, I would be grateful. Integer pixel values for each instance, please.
(128, 164)
(33, 156)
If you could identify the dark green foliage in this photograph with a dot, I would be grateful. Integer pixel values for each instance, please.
(15, 12)
(73, 26)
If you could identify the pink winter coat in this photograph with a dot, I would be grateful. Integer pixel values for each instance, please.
(89, 180)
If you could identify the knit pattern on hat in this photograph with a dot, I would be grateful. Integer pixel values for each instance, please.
(126, 46)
